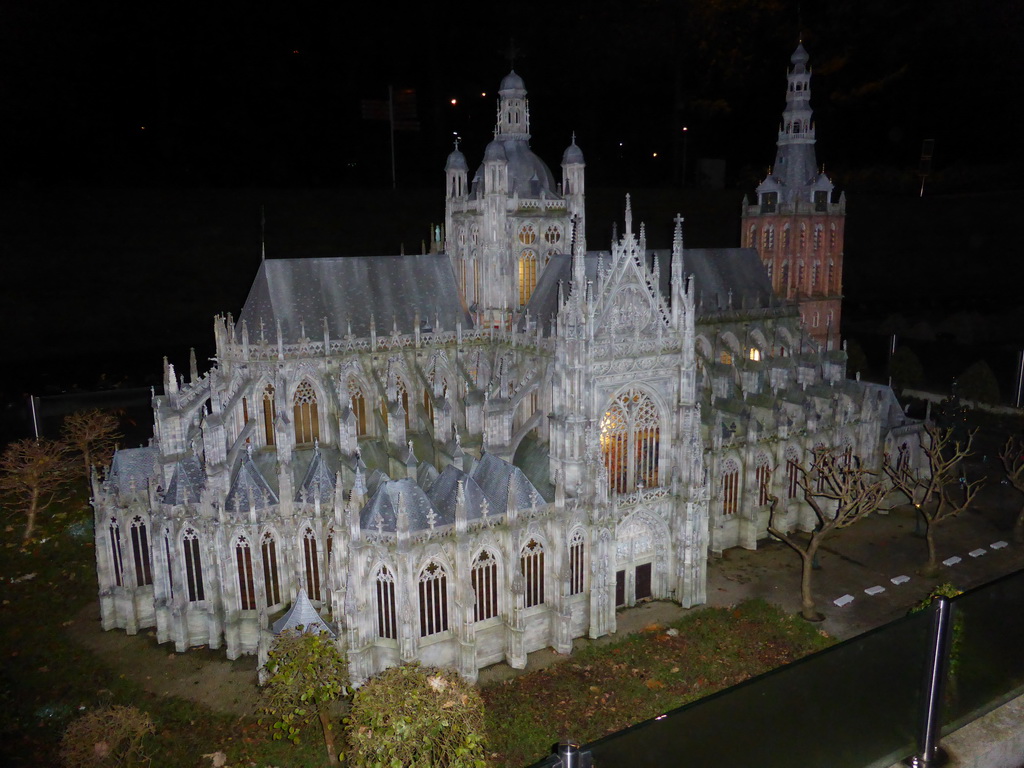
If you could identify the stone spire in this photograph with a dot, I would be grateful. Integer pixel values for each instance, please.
(795, 175)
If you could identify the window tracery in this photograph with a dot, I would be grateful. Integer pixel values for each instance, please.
(193, 566)
(312, 564)
(268, 549)
(140, 553)
(307, 420)
(485, 585)
(630, 434)
(531, 564)
(243, 566)
(433, 593)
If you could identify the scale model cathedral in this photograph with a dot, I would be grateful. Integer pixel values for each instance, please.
(464, 456)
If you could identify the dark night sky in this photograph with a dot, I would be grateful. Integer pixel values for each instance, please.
(227, 94)
(142, 139)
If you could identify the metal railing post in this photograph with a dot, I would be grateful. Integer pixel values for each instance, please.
(569, 754)
(929, 753)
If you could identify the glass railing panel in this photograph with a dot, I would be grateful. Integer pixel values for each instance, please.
(987, 659)
(855, 705)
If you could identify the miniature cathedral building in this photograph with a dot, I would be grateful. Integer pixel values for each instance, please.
(795, 225)
(463, 457)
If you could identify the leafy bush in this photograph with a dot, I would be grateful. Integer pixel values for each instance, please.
(307, 673)
(415, 716)
(979, 383)
(106, 737)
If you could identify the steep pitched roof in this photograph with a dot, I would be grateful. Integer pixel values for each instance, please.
(249, 486)
(347, 291)
(318, 482)
(131, 468)
(444, 491)
(187, 482)
(302, 614)
(496, 477)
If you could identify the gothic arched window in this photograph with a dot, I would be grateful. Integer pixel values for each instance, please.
(552, 234)
(246, 583)
(387, 622)
(576, 562)
(792, 473)
(268, 549)
(307, 420)
(358, 407)
(527, 234)
(730, 487)
(312, 564)
(817, 237)
(433, 589)
(763, 476)
(269, 414)
(531, 563)
(527, 274)
(630, 433)
(193, 566)
(485, 585)
(140, 553)
(115, 552)
(167, 555)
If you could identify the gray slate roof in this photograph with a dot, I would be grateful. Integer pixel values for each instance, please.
(715, 271)
(187, 482)
(496, 477)
(249, 486)
(302, 614)
(131, 468)
(528, 175)
(348, 290)
(318, 482)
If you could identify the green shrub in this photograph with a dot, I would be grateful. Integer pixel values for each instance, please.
(416, 716)
(306, 674)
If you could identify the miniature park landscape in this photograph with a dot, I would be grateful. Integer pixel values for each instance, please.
(59, 665)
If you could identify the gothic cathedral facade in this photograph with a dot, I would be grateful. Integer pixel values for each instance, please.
(467, 455)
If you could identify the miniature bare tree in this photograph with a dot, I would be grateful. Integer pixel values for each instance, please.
(33, 475)
(940, 490)
(1012, 457)
(93, 434)
(840, 492)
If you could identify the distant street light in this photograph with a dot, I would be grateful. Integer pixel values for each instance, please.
(686, 136)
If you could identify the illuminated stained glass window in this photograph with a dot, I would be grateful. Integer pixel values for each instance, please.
(630, 433)
(307, 420)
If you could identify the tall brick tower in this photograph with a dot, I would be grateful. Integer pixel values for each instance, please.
(794, 223)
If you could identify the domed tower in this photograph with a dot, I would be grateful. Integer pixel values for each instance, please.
(795, 225)
(501, 234)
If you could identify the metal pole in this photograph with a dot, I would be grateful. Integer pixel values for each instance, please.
(569, 754)
(35, 416)
(930, 754)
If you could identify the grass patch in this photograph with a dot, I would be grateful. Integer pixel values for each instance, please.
(605, 688)
(47, 679)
